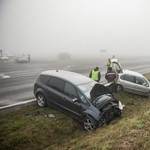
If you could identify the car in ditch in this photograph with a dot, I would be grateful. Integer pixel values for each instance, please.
(79, 96)
(131, 81)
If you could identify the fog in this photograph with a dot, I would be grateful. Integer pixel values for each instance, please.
(82, 28)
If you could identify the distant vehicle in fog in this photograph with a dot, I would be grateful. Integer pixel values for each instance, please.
(4, 58)
(8, 54)
(21, 59)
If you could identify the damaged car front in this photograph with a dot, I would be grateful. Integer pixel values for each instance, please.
(103, 99)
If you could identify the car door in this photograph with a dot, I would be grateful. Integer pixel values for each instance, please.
(141, 86)
(73, 108)
(54, 91)
(128, 83)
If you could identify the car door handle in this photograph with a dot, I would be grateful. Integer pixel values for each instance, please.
(64, 98)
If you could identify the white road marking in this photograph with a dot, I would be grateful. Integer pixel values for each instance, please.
(66, 68)
(12, 105)
(5, 76)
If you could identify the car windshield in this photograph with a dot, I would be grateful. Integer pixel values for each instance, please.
(86, 88)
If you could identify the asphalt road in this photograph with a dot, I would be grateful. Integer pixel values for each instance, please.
(17, 80)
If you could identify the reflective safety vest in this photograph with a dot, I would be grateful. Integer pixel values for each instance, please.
(94, 75)
(112, 65)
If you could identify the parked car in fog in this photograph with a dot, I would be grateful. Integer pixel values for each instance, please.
(21, 59)
(8, 54)
(78, 96)
(131, 81)
(4, 58)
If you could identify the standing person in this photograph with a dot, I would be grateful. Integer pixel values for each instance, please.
(117, 76)
(110, 64)
(110, 75)
(95, 74)
(28, 58)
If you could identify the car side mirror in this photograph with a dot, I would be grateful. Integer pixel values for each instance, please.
(75, 100)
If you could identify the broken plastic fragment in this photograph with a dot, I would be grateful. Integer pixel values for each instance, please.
(50, 115)
(121, 106)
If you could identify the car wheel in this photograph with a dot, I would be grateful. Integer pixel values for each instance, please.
(89, 123)
(148, 95)
(119, 88)
(41, 100)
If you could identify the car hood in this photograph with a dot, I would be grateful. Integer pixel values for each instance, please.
(102, 95)
(99, 90)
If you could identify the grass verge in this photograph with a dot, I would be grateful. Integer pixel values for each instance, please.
(32, 128)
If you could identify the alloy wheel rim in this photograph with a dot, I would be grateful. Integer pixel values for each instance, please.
(119, 88)
(88, 125)
(40, 100)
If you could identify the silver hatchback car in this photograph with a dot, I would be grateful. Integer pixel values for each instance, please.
(130, 81)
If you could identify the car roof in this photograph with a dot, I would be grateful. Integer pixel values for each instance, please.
(73, 77)
(132, 73)
(115, 60)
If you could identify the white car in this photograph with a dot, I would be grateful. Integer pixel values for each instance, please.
(8, 54)
(4, 58)
(131, 81)
(21, 59)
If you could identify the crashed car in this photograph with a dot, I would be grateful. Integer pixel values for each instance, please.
(78, 96)
(131, 81)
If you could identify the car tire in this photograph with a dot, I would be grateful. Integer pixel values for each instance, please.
(89, 123)
(41, 101)
(119, 88)
(148, 95)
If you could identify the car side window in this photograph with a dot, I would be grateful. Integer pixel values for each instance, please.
(129, 78)
(141, 81)
(82, 98)
(70, 91)
(122, 77)
(44, 79)
(56, 84)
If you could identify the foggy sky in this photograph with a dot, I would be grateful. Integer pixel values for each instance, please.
(79, 27)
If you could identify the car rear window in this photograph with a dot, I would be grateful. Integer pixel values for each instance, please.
(56, 84)
(44, 79)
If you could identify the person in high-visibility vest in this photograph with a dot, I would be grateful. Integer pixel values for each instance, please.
(28, 58)
(110, 65)
(95, 74)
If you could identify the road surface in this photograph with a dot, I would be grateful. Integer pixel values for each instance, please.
(17, 79)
